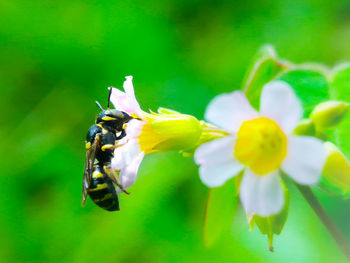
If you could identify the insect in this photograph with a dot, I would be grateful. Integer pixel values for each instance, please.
(101, 140)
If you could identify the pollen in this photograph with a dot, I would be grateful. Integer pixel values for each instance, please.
(261, 145)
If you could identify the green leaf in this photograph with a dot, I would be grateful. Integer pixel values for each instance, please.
(340, 90)
(311, 87)
(273, 225)
(264, 52)
(265, 68)
(219, 212)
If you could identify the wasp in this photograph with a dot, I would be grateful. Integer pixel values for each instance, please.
(101, 140)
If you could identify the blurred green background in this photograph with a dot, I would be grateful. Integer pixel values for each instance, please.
(58, 57)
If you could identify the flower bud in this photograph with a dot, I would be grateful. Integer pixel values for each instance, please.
(336, 172)
(305, 127)
(328, 114)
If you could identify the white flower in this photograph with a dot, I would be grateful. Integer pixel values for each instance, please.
(147, 133)
(262, 143)
(129, 156)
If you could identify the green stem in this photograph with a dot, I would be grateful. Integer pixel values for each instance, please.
(325, 219)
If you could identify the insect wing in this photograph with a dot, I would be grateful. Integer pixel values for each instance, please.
(89, 162)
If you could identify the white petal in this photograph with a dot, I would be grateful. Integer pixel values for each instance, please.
(118, 161)
(215, 151)
(120, 101)
(125, 154)
(305, 159)
(128, 175)
(279, 102)
(128, 86)
(261, 195)
(129, 90)
(229, 110)
(216, 174)
(132, 148)
(134, 127)
(126, 101)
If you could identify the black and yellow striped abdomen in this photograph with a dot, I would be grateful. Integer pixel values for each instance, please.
(102, 191)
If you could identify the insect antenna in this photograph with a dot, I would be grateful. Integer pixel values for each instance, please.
(109, 97)
(99, 105)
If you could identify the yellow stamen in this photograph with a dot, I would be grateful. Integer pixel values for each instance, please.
(148, 139)
(261, 145)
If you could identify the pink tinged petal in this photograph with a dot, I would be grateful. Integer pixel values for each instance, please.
(129, 90)
(306, 157)
(118, 161)
(261, 195)
(129, 87)
(128, 175)
(126, 101)
(229, 110)
(279, 102)
(125, 154)
(131, 149)
(121, 101)
(216, 174)
(215, 151)
(134, 127)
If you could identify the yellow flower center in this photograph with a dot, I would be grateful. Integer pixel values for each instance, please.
(261, 145)
(148, 139)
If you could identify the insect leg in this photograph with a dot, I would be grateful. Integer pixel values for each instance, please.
(111, 173)
(121, 135)
(111, 146)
